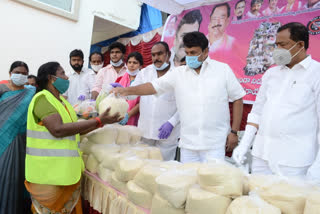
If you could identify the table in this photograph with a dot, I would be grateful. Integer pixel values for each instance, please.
(102, 198)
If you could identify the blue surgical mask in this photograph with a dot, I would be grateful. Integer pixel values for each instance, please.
(116, 64)
(61, 85)
(19, 79)
(193, 62)
(162, 67)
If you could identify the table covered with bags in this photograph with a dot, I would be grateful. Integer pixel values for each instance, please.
(125, 176)
(101, 197)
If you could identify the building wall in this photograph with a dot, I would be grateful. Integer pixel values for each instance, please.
(36, 36)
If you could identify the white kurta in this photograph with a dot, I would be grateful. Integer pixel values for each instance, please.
(155, 111)
(287, 109)
(202, 102)
(80, 84)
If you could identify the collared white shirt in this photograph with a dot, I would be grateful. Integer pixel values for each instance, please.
(203, 102)
(287, 109)
(155, 111)
(80, 84)
(106, 76)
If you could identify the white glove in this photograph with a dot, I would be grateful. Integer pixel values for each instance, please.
(313, 173)
(241, 150)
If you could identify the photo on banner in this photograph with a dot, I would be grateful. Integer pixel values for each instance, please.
(242, 33)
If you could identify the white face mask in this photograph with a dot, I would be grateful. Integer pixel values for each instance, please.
(133, 73)
(19, 79)
(162, 67)
(116, 64)
(96, 68)
(283, 56)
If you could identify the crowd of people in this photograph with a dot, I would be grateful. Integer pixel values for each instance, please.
(183, 105)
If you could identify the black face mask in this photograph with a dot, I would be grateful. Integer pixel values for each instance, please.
(77, 67)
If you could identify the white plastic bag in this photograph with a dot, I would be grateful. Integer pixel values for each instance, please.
(100, 151)
(221, 178)
(104, 173)
(105, 91)
(105, 135)
(173, 186)
(312, 203)
(126, 168)
(92, 164)
(138, 195)
(146, 177)
(123, 135)
(162, 206)
(135, 134)
(251, 205)
(85, 109)
(288, 194)
(200, 201)
(117, 104)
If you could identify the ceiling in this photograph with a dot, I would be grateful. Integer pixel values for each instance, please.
(104, 29)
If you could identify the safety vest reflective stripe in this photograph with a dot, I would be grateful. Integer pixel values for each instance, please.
(47, 136)
(52, 152)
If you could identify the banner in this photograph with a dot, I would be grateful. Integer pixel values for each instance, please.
(243, 33)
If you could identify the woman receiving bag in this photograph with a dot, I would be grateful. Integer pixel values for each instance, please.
(134, 64)
(53, 159)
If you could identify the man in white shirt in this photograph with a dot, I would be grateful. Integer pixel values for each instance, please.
(159, 120)
(286, 111)
(96, 60)
(113, 71)
(202, 90)
(81, 80)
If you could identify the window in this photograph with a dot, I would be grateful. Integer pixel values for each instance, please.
(65, 8)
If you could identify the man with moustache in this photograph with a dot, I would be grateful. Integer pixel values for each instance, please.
(81, 80)
(159, 120)
(239, 10)
(254, 9)
(96, 60)
(190, 22)
(219, 21)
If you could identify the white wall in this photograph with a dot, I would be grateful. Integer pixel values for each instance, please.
(36, 37)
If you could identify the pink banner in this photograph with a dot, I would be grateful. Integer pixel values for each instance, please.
(242, 34)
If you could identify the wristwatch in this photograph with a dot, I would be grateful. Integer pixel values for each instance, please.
(234, 132)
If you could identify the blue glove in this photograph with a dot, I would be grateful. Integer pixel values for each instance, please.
(124, 120)
(116, 85)
(81, 97)
(165, 130)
